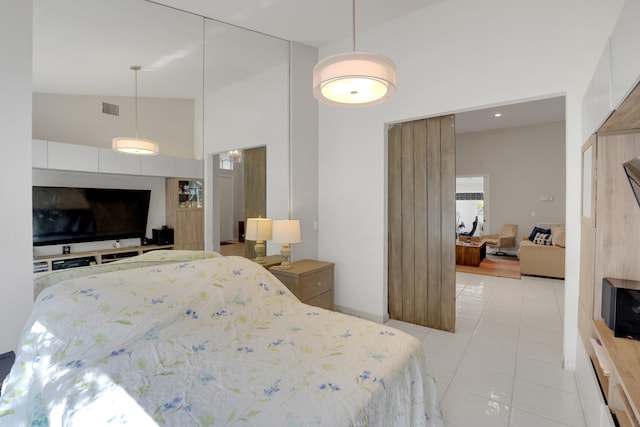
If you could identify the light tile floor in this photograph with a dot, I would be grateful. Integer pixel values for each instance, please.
(503, 366)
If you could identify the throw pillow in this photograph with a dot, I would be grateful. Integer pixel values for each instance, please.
(537, 230)
(558, 237)
(542, 239)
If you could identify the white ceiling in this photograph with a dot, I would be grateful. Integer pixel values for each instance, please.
(87, 46)
(312, 22)
(512, 115)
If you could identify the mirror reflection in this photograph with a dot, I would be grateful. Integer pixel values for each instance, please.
(246, 109)
(203, 87)
(240, 183)
(85, 95)
(82, 79)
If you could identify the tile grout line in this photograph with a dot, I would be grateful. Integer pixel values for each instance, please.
(525, 282)
(466, 347)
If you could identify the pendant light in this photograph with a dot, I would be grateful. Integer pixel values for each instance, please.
(135, 145)
(354, 78)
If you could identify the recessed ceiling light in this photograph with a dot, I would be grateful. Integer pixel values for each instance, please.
(497, 115)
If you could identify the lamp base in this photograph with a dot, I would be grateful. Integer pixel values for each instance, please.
(260, 250)
(285, 252)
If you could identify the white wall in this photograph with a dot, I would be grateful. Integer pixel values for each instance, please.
(452, 56)
(523, 163)
(78, 119)
(303, 204)
(16, 287)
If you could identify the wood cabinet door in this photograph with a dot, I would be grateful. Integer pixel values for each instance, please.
(189, 229)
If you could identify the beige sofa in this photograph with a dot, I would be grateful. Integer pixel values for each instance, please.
(542, 260)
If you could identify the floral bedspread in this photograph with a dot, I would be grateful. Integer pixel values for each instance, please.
(205, 343)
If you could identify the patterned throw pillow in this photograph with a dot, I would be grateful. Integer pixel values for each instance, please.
(537, 230)
(542, 239)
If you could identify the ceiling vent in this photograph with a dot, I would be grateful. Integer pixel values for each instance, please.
(112, 109)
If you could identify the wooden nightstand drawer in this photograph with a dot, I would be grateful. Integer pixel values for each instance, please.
(310, 281)
(315, 284)
(323, 301)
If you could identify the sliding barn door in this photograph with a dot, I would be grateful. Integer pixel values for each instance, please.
(255, 189)
(422, 227)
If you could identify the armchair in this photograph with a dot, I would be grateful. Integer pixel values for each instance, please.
(505, 238)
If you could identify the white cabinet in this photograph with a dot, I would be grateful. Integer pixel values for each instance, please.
(192, 168)
(596, 104)
(82, 158)
(625, 45)
(112, 162)
(39, 154)
(72, 157)
(158, 166)
(617, 73)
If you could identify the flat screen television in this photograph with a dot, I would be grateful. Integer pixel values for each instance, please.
(63, 215)
(632, 168)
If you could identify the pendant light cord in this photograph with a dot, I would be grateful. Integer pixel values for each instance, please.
(353, 26)
(135, 69)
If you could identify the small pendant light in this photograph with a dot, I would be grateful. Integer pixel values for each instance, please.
(135, 145)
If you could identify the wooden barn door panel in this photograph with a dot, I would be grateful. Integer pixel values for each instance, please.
(255, 189)
(422, 222)
(395, 222)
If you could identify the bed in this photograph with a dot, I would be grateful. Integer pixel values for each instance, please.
(206, 342)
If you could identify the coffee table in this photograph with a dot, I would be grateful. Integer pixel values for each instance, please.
(470, 253)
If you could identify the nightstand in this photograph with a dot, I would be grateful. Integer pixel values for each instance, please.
(311, 281)
(270, 261)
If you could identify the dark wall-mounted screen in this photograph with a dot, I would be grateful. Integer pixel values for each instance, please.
(71, 215)
(632, 168)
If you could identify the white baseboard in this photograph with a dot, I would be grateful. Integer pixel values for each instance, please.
(361, 314)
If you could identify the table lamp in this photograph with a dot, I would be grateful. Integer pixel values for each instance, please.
(286, 232)
(259, 230)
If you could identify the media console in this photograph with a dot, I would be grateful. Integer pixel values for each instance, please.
(45, 264)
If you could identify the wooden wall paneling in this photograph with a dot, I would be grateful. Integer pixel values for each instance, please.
(627, 116)
(618, 218)
(395, 221)
(447, 229)
(408, 225)
(255, 189)
(588, 241)
(589, 181)
(421, 228)
(434, 223)
(587, 281)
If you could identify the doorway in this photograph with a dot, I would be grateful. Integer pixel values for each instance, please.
(471, 204)
(239, 188)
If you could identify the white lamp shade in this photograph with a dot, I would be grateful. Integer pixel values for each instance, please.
(258, 229)
(286, 231)
(354, 78)
(134, 146)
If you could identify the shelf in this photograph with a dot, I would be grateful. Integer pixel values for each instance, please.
(624, 382)
(189, 194)
(185, 211)
(45, 264)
